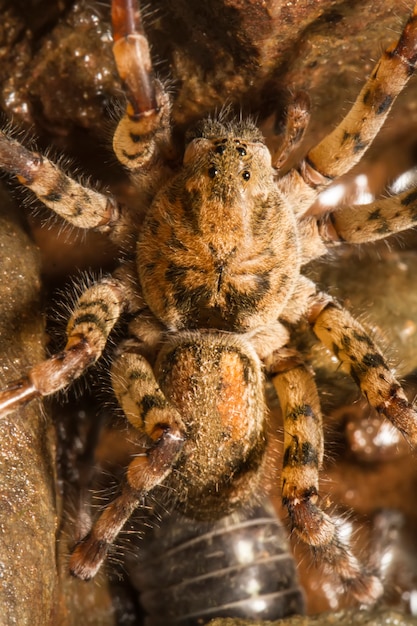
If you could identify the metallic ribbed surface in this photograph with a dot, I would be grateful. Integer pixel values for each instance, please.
(189, 572)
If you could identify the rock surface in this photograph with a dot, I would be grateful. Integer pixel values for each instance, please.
(377, 617)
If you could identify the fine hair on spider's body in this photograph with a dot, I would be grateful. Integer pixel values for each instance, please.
(213, 285)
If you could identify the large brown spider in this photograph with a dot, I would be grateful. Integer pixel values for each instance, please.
(212, 281)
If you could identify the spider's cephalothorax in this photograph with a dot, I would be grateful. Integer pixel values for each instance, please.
(216, 234)
(213, 285)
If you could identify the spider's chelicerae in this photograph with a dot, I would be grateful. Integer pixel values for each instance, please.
(213, 284)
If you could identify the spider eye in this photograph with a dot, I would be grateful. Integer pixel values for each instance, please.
(246, 175)
(242, 152)
(213, 171)
(220, 149)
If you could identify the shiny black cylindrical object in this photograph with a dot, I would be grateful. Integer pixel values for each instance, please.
(188, 572)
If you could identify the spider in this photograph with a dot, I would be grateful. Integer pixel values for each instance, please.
(212, 282)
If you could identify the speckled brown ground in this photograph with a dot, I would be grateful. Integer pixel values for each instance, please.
(342, 618)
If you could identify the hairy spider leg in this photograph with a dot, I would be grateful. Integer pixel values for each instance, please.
(89, 326)
(78, 205)
(89, 554)
(370, 222)
(303, 457)
(144, 129)
(350, 342)
(346, 145)
(145, 126)
(339, 151)
(147, 409)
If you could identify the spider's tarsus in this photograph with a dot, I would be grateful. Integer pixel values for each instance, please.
(89, 554)
(406, 48)
(132, 56)
(403, 416)
(366, 588)
(87, 558)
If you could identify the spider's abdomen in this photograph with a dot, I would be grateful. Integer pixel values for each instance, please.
(219, 247)
(215, 381)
